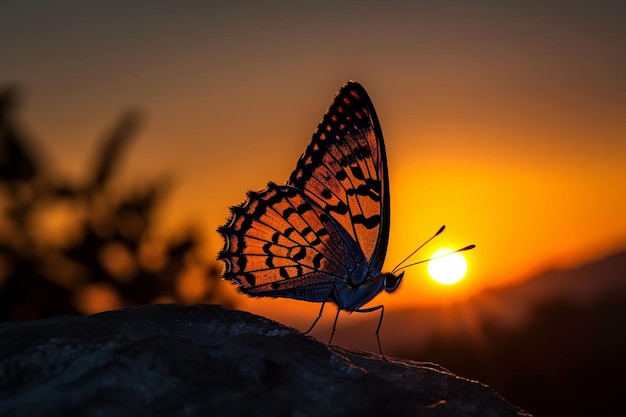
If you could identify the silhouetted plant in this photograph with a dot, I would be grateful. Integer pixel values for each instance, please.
(107, 254)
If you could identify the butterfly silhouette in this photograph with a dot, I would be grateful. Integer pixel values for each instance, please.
(323, 235)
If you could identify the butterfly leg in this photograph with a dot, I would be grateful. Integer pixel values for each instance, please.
(334, 326)
(380, 321)
(319, 316)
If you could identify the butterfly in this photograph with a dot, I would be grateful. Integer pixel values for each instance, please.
(321, 237)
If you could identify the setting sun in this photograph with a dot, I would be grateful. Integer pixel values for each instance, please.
(448, 269)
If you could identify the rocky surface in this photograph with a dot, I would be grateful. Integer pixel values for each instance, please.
(206, 360)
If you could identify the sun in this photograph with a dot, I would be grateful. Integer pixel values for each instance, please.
(448, 269)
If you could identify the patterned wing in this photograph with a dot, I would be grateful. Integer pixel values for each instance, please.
(279, 243)
(344, 171)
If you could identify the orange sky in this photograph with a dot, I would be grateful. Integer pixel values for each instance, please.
(505, 122)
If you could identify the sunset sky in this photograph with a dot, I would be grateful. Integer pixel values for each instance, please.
(505, 121)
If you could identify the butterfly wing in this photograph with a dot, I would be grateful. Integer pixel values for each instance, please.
(279, 243)
(344, 171)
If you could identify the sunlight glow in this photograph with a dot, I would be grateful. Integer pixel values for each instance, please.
(448, 269)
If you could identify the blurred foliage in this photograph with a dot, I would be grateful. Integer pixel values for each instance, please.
(85, 246)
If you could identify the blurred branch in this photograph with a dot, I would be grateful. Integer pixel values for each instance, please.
(113, 146)
(17, 161)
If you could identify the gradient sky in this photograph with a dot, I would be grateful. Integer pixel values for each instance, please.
(506, 121)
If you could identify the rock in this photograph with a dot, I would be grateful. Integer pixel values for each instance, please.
(206, 360)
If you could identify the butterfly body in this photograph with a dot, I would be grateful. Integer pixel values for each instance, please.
(343, 277)
(323, 235)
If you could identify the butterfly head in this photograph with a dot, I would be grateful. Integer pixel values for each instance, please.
(391, 281)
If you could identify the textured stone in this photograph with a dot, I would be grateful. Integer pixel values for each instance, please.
(206, 360)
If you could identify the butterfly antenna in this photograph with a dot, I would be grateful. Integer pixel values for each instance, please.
(468, 247)
(397, 268)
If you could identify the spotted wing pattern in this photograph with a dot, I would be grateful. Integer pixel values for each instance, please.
(280, 244)
(328, 227)
(344, 170)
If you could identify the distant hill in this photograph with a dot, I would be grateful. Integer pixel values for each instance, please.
(583, 285)
(554, 344)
